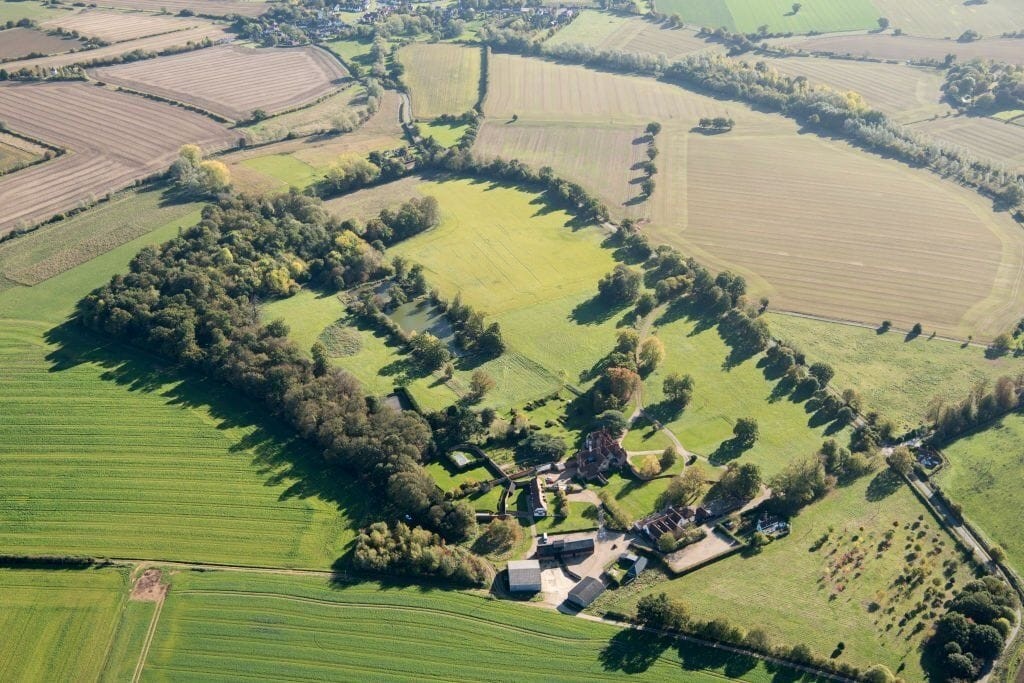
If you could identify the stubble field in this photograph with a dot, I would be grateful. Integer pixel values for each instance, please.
(986, 138)
(216, 8)
(889, 46)
(19, 42)
(604, 31)
(745, 16)
(209, 78)
(950, 18)
(116, 27)
(443, 78)
(113, 138)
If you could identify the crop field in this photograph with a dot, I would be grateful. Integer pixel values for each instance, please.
(896, 377)
(113, 138)
(745, 16)
(801, 582)
(1002, 142)
(905, 93)
(158, 43)
(320, 117)
(981, 475)
(214, 8)
(605, 169)
(922, 249)
(16, 10)
(889, 46)
(950, 18)
(58, 247)
(221, 625)
(58, 624)
(606, 31)
(16, 152)
(117, 27)
(443, 78)
(19, 42)
(208, 78)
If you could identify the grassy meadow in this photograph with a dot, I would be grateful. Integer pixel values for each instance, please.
(746, 16)
(950, 18)
(16, 10)
(982, 475)
(321, 116)
(286, 169)
(895, 376)
(443, 78)
(446, 134)
(830, 570)
(58, 625)
(219, 625)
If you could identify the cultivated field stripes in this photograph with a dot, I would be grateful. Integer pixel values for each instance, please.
(210, 79)
(905, 93)
(151, 44)
(888, 46)
(986, 138)
(116, 27)
(114, 139)
(443, 78)
(950, 18)
(214, 8)
(19, 42)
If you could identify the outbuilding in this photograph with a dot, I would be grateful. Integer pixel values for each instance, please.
(585, 592)
(524, 576)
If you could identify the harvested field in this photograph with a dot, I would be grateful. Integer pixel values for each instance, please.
(443, 78)
(905, 93)
(847, 235)
(19, 42)
(888, 46)
(336, 111)
(950, 18)
(153, 44)
(1002, 142)
(745, 16)
(17, 153)
(113, 138)
(605, 169)
(367, 203)
(633, 34)
(288, 77)
(117, 27)
(213, 8)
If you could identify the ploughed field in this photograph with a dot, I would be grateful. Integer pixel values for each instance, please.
(19, 42)
(986, 138)
(116, 27)
(214, 8)
(112, 140)
(157, 43)
(233, 81)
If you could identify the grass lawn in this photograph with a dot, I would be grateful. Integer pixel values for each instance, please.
(446, 135)
(449, 480)
(219, 624)
(643, 436)
(443, 78)
(582, 517)
(798, 584)
(724, 393)
(487, 501)
(983, 475)
(638, 498)
(57, 624)
(896, 377)
(285, 168)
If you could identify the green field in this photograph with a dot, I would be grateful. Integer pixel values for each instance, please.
(582, 517)
(129, 642)
(326, 115)
(724, 393)
(443, 78)
(448, 479)
(746, 16)
(57, 625)
(285, 168)
(896, 377)
(101, 453)
(55, 248)
(219, 626)
(983, 475)
(819, 596)
(446, 135)
(15, 10)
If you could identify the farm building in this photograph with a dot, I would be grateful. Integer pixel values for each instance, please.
(561, 549)
(670, 519)
(538, 501)
(635, 565)
(585, 592)
(524, 576)
(600, 453)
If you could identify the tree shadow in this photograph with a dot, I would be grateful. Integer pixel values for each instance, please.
(728, 450)
(632, 652)
(883, 485)
(593, 311)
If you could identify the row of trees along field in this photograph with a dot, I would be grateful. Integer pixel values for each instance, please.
(763, 86)
(192, 300)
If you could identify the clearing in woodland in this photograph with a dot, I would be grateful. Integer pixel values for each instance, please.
(986, 138)
(288, 77)
(58, 624)
(841, 565)
(116, 27)
(982, 474)
(747, 16)
(113, 140)
(443, 78)
(219, 623)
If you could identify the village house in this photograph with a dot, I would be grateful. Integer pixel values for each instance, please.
(600, 454)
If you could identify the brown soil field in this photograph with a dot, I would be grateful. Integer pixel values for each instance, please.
(984, 137)
(18, 42)
(216, 79)
(950, 18)
(213, 8)
(905, 93)
(151, 44)
(888, 46)
(116, 27)
(113, 140)
(572, 150)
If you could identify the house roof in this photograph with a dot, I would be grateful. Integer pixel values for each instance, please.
(523, 573)
(561, 547)
(586, 591)
(638, 566)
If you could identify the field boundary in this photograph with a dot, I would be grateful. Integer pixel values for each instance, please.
(166, 100)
